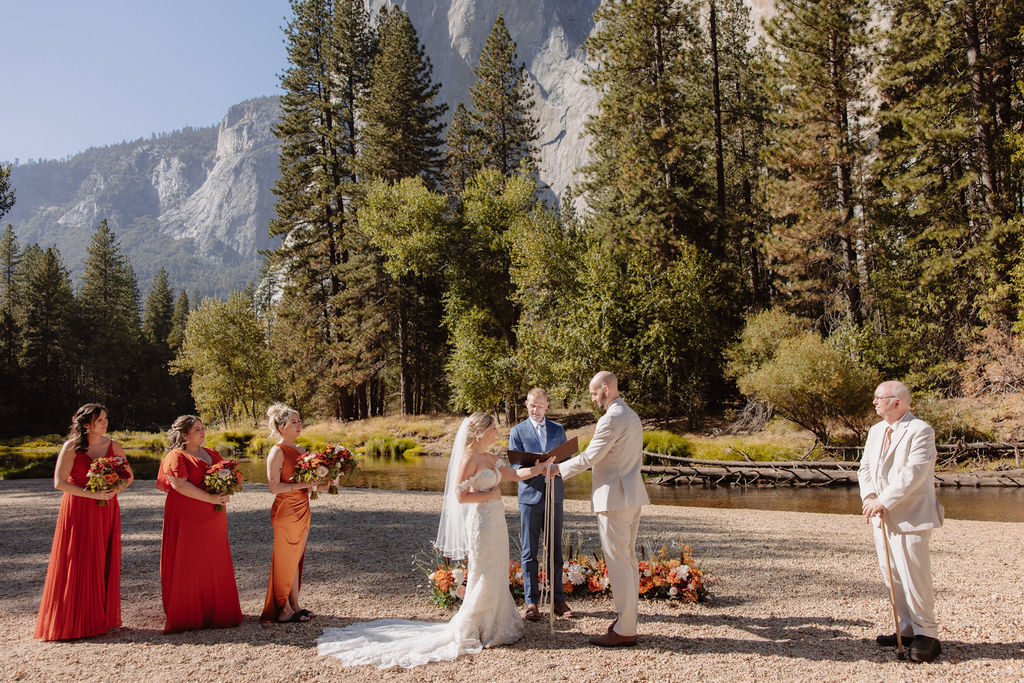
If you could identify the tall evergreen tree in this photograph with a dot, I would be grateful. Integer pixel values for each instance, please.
(108, 300)
(329, 47)
(401, 134)
(50, 332)
(818, 155)
(10, 330)
(743, 96)
(401, 137)
(946, 220)
(504, 127)
(463, 157)
(6, 190)
(647, 180)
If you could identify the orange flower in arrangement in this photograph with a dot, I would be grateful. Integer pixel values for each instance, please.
(443, 580)
(312, 467)
(646, 585)
(594, 584)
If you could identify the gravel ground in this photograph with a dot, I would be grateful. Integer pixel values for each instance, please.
(796, 596)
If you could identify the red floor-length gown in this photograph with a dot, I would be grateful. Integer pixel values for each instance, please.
(82, 593)
(290, 518)
(197, 575)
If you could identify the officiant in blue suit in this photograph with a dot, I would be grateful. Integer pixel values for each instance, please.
(539, 435)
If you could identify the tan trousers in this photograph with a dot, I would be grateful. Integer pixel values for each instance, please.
(911, 578)
(618, 530)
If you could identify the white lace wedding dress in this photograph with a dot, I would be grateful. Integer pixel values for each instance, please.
(487, 617)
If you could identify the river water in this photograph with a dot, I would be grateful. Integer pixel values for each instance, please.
(427, 473)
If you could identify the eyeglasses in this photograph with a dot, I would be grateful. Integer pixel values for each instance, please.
(882, 398)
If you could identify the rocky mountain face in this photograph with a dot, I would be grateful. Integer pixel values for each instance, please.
(198, 201)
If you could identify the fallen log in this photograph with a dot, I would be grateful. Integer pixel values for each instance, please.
(734, 472)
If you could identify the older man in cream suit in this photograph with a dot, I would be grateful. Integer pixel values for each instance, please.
(615, 454)
(896, 478)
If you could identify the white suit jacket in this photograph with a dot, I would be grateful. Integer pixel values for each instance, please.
(615, 454)
(903, 477)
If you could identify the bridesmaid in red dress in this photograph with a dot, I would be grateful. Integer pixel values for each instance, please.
(82, 594)
(197, 575)
(290, 518)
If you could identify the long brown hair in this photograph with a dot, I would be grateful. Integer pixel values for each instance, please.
(181, 427)
(83, 417)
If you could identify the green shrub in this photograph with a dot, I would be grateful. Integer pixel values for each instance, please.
(667, 443)
(806, 380)
(385, 446)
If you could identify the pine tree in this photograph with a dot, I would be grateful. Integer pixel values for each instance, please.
(179, 318)
(6, 190)
(10, 330)
(50, 332)
(108, 300)
(945, 229)
(818, 155)
(401, 137)
(329, 47)
(10, 258)
(158, 322)
(504, 128)
(463, 158)
(401, 132)
(648, 178)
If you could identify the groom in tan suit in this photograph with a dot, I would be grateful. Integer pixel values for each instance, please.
(896, 476)
(615, 454)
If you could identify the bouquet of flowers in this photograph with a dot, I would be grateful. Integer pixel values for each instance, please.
(312, 467)
(339, 463)
(672, 579)
(222, 477)
(106, 473)
(446, 581)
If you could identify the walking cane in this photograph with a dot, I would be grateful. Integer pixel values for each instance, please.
(892, 592)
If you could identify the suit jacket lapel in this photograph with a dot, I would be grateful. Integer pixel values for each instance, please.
(531, 443)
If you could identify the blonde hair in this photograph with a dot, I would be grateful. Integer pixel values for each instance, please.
(479, 423)
(182, 426)
(278, 415)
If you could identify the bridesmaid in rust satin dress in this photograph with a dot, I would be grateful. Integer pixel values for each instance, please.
(197, 576)
(290, 518)
(82, 593)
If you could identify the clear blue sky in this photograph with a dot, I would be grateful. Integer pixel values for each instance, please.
(82, 74)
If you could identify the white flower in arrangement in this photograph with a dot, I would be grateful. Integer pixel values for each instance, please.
(565, 578)
(519, 575)
(225, 474)
(605, 582)
(679, 573)
(453, 591)
(322, 471)
(458, 576)
(460, 592)
(575, 574)
(647, 572)
(673, 591)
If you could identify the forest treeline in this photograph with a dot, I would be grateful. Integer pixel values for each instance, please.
(786, 215)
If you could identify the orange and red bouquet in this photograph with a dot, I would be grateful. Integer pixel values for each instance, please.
(672, 579)
(312, 467)
(223, 477)
(340, 463)
(106, 473)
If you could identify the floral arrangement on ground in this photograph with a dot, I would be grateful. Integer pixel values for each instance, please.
(664, 575)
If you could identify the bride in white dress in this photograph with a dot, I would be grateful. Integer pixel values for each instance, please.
(472, 523)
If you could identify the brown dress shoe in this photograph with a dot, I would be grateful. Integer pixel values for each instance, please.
(613, 639)
(562, 609)
(532, 613)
